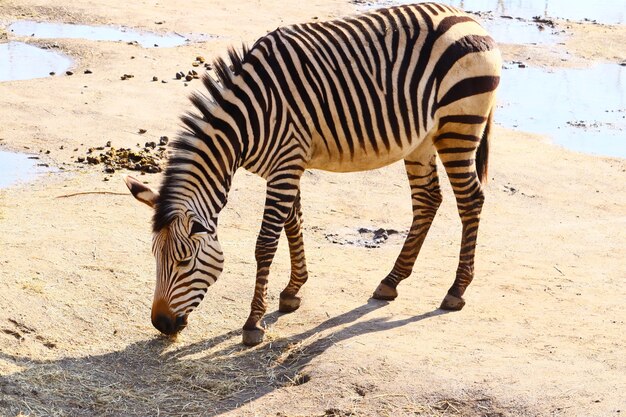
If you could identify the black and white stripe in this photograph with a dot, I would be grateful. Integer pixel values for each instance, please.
(409, 82)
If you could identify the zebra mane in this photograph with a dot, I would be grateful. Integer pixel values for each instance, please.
(185, 142)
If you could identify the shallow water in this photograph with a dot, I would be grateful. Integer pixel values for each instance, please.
(46, 30)
(518, 32)
(20, 61)
(18, 167)
(581, 109)
(605, 11)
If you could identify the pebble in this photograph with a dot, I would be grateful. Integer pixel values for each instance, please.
(147, 160)
(142, 131)
(52, 73)
(163, 81)
(189, 77)
(127, 76)
(69, 73)
(155, 78)
(88, 71)
(163, 140)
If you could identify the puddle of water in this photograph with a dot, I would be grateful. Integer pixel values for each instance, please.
(20, 61)
(46, 30)
(607, 11)
(518, 32)
(581, 109)
(18, 167)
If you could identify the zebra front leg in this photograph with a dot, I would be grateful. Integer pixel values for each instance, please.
(421, 168)
(282, 190)
(289, 301)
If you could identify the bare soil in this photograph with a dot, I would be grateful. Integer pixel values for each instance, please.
(543, 332)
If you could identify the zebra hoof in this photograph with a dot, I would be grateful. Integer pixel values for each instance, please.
(385, 292)
(452, 303)
(253, 337)
(288, 304)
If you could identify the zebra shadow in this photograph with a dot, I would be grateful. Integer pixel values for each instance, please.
(156, 376)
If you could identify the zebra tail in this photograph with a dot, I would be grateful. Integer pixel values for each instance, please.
(482, 153)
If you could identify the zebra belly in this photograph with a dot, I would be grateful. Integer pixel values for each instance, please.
(360, 160)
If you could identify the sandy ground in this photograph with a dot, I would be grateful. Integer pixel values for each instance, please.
(543, 332)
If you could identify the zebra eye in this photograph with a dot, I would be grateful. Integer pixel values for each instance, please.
(198, 229)
(184, 262)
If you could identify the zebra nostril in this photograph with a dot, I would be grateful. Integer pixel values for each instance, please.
(164, 324)
(181, 322)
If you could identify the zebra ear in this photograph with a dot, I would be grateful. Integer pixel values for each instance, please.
(141, 191)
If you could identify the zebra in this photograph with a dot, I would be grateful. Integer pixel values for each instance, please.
(408, 83)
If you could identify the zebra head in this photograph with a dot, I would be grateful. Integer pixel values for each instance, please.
(188, 257)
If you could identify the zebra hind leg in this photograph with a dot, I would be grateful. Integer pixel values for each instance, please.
(289, 301)
(421, 169)
(457, 141)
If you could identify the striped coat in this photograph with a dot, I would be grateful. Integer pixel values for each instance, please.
(404, 83)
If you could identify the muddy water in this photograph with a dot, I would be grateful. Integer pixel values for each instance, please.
(581, 109)
(46, 30)
(20, 61)
(17, 167)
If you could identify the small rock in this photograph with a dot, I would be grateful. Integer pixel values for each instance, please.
(52, 73)
(80, 159)
(195, 64)
(179, 75)
(69, 73)
(142, 131)
(155, 78)
(88, 71)
(163, 81)
(163, 140)
(151, 145)
(200, 59)
(109, 169)
(108, 144)
(189, 77)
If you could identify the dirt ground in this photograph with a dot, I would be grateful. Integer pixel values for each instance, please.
(542, 334)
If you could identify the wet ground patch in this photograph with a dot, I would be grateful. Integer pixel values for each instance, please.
(21, 61)
(367, 237)
(19, 167)
(583, 109)
(50, 30)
